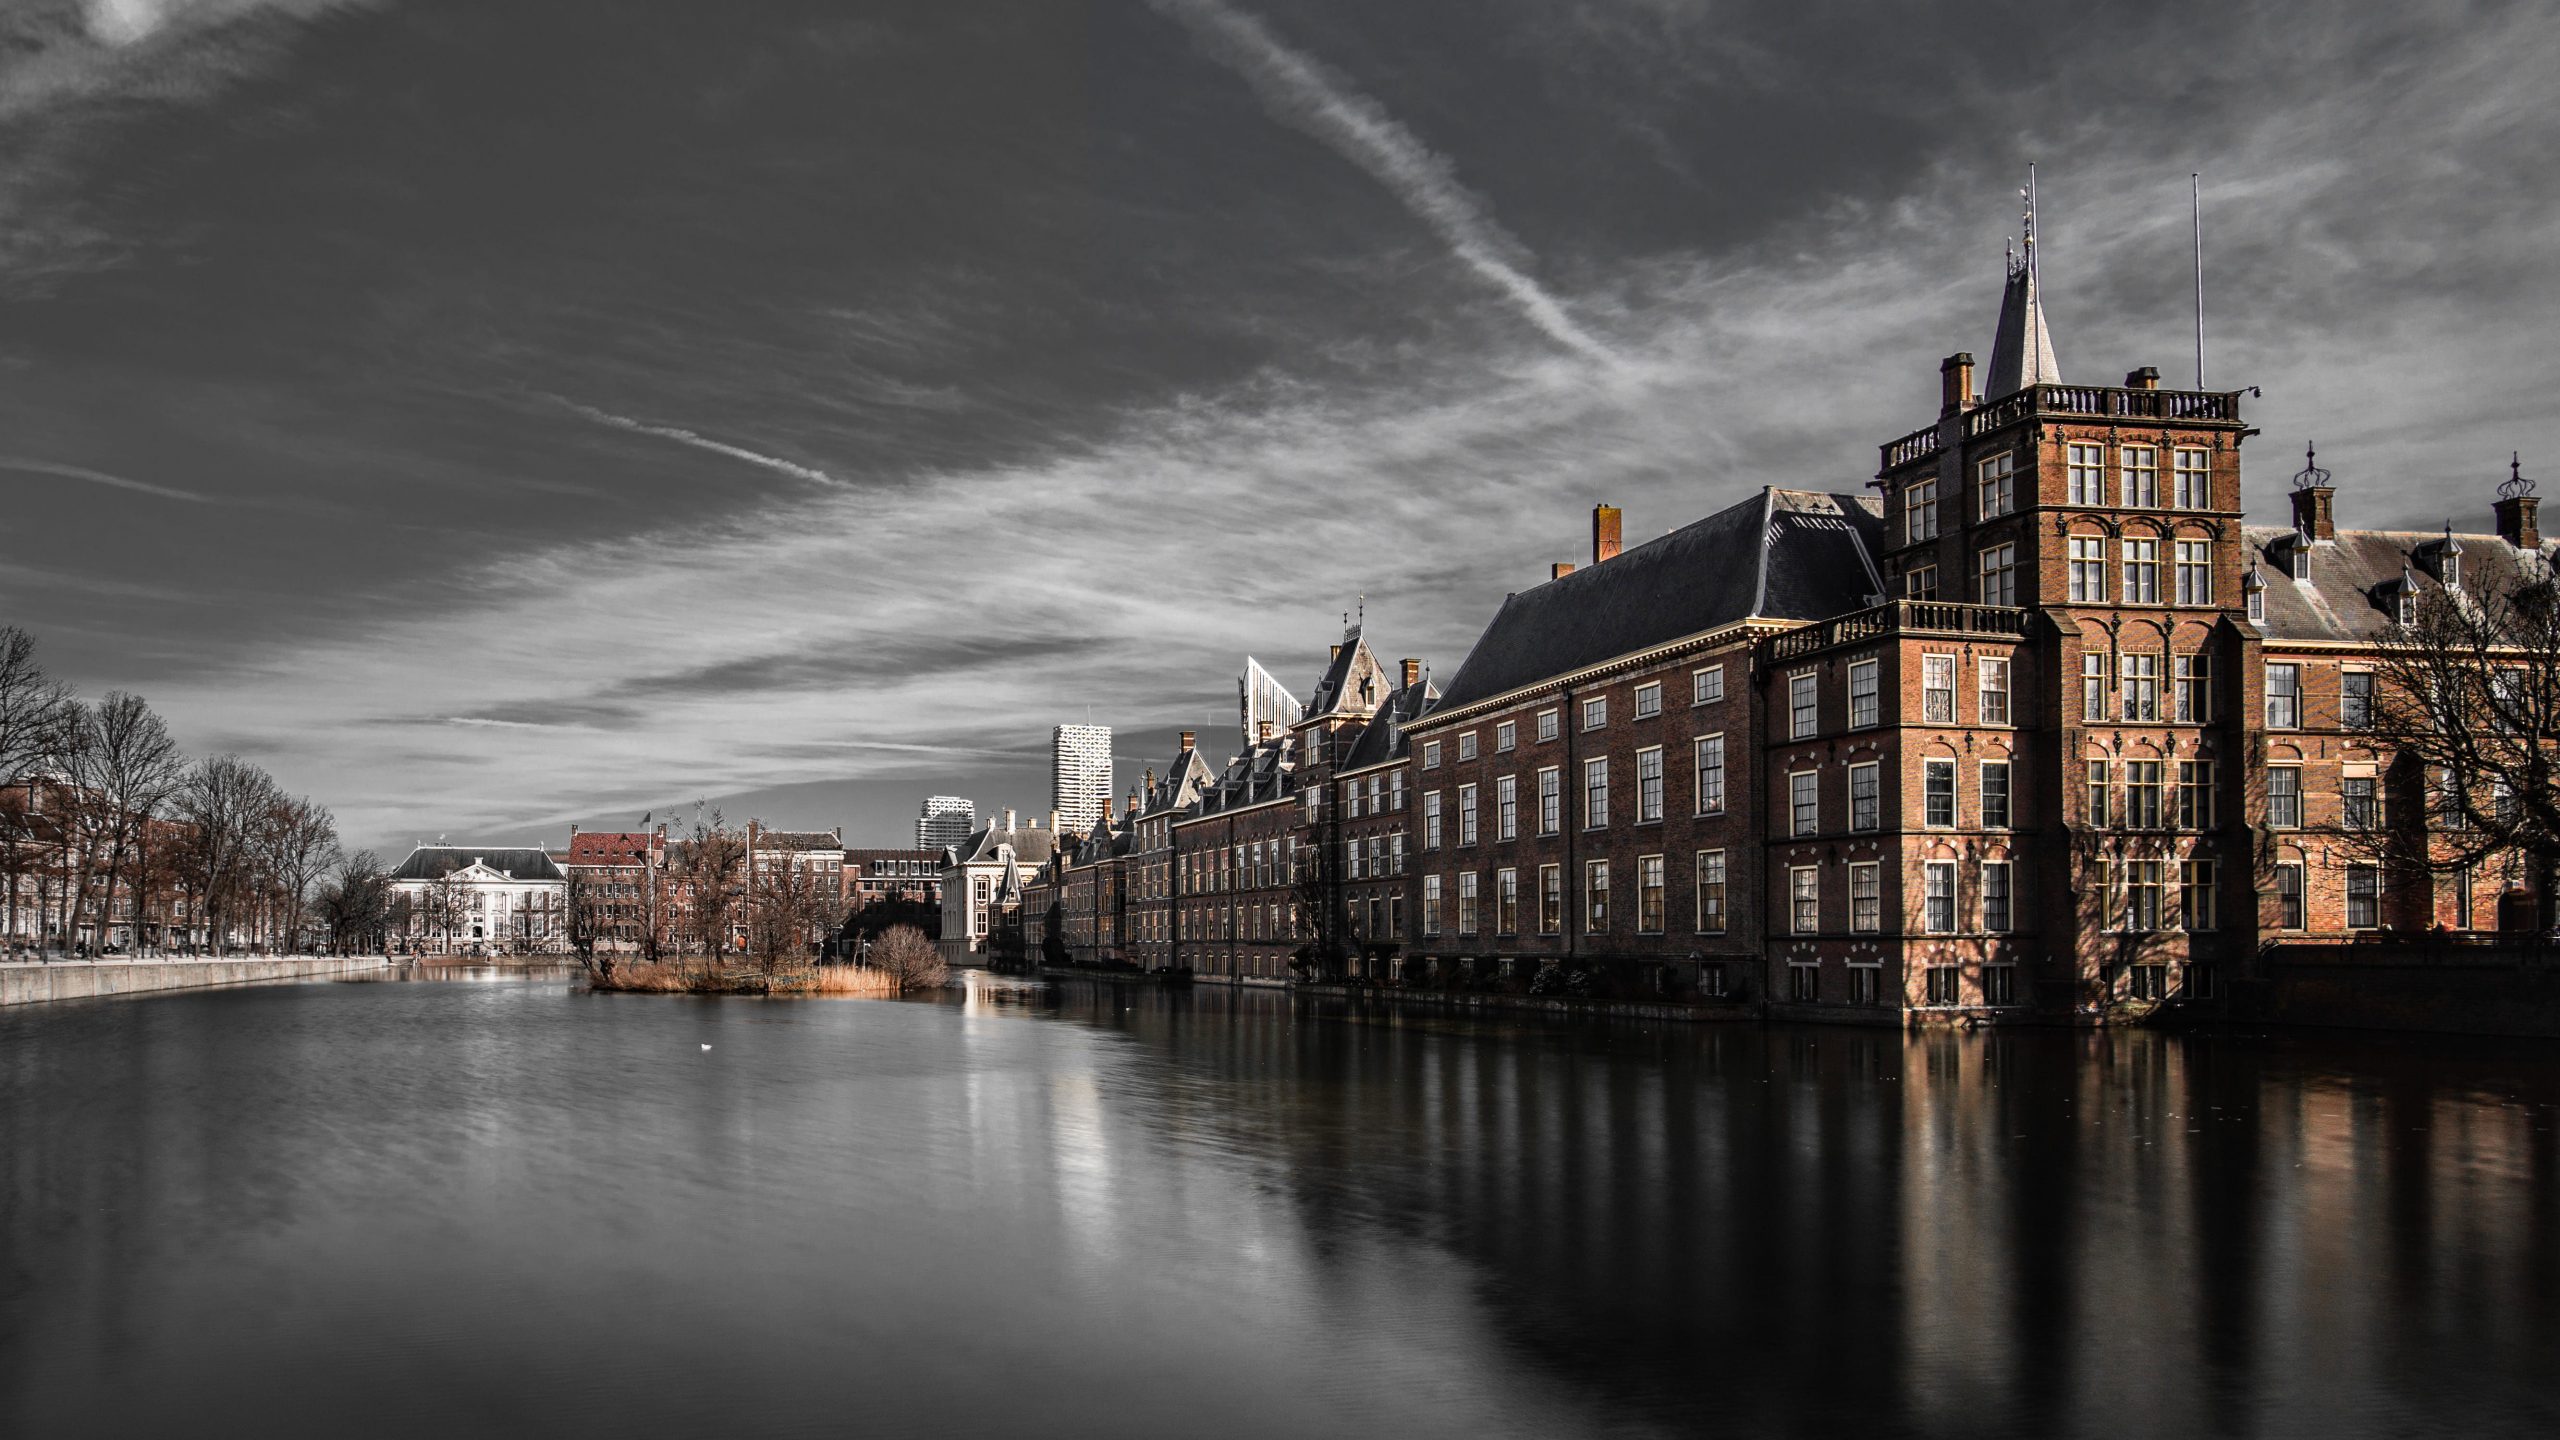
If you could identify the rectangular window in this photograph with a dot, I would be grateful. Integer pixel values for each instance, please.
(2195, 572)
(1862, 694)
(1595, 896)
(2462, 882)
(2360, 802)
(2140, 561)
(2195, 795)
(1938, 897)
(2192, 681)
(1430, 755)
(2197, 906)
(2142, 794)
(2142, 895)
(2364, 897)
(1999, 984)
(1711, 892)
(2148, 982)
(1466, 814)
(2088, 474)
(1995, 794)
(2141, 465)
(1942, 985)
(1938, 689)
(1804, 983)
(1351, 800)
(2098, 794)
(2284, 697)
(1920, 583)
(1430, 819)
(1866, 897)
(1648, 700)
(2355, 699)
(1706, 687)
(1938, 792)
(1467, 903)
(1506, 902)
(2284, 797)
(2093, 687)
(2138, 677)
(1550, 899)
(1430, 904)
(2088, 570)
(1999, 572)
(1649, 784)
(2194, 479)
(1804, 899)
(1395, 791)
(1803, 706)
(1550, 800)
(1920, 511)
(1395, 853)
(1995, 896)
(1804, 803)
(1546, 725)
(1506, 808)
(2289, 895)
(1649, 894)
(1710, 774)
(1351, 855)
(1595, 712)
(1866, 801)
(1991, 689)
(1506, 736)
(1467, 746)
(1995, 485)
(1711, 981)
(1595, 794)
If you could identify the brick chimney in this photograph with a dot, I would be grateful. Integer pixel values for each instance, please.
(2519, 523)
(1188, 737)
(1955, 383)
(1261, 730)
(1008, 817)
(1412, 672)
(1560, 569)
(1604, 532)
(2146, 378)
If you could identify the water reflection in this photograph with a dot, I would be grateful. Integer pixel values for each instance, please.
(1100, 1210)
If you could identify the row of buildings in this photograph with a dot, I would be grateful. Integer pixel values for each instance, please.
(2032, 724)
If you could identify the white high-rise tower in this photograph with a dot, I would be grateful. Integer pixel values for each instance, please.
(945, 820)
(1081, 769)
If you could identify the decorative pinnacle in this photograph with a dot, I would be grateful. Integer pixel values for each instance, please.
(2310, 476)
(2517, 485)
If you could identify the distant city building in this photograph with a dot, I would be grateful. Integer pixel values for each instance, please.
(1261, 699)
(945, 820)
(1080, 757)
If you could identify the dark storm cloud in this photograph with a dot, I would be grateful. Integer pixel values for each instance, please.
(616, 400)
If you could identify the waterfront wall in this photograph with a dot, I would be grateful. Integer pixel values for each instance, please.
(2462, 989)
(33, 983)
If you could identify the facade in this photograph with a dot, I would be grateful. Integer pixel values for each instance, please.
(982, 886)
(875, 875)
(468, 900)
(618, 879)
(1080, 775)
(1147, 876)
(945, 820)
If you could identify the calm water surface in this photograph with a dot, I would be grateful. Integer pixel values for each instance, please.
(450, 1209)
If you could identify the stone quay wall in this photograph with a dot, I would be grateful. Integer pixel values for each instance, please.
(32, 983)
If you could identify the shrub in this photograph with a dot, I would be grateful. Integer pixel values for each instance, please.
(909, 959)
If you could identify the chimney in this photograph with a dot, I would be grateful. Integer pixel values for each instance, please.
(1604, 532)
(2518, 523)
(1008, 817)
(1188, 736)
(1560, 569)
(1412, 672)
(1261, 730)
(1110, 807)
(2146, 378)
(1335, 653)
(1955, 383)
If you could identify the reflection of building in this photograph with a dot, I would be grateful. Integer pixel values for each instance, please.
(945, 820)
(472, 900)
(982, 880)
(1080, 768)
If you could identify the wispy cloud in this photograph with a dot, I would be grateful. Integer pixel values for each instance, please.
(700, 441)
(87, 476)
(1301, 91)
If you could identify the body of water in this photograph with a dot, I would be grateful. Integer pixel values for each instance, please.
(510, 1207)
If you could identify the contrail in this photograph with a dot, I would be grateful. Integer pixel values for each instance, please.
(1297, 90)
(699, 442)
(100, 477)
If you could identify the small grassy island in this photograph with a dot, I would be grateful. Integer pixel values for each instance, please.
(899, 961)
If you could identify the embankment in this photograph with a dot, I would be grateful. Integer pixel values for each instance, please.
(31, 983)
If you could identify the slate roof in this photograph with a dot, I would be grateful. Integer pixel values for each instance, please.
(1180, 785)
(434, 862)
(1780, 555)
(1383, 738)
(1031, 845)
(608, 847)
(1259, 773)
(2351, 589)
(798, 840)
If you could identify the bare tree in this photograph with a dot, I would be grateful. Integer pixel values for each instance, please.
(226, 799)
(587, 903)
(907, 957)
(709, 866)
(31, 706)
(298, 843)
(124, 767)
(355, 903)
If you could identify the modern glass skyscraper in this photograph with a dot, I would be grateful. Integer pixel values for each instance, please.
(1080, 758)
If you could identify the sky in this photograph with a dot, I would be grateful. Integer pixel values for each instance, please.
(494, 415)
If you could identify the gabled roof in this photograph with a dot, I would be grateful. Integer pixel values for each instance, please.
(1258, 773)
(2351, 588)
(1181, 784)
(799, 840)
(434, 862)
(1780, 555)
(1383, 739)
(1031, 845)
(611, 847)
(2022, 349)
(1353, 681)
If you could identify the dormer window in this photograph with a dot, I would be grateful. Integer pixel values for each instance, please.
(2405, 603)
(2254, 587)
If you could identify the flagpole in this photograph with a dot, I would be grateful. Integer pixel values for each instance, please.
(2195, 182)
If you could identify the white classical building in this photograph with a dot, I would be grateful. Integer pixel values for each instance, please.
(982, 884)
(474, 900)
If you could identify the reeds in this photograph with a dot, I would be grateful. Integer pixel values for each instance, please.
(667, 978)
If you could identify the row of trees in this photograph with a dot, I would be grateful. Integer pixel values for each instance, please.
(107, 827)
(702, 898)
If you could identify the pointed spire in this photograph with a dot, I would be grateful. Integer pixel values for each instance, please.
(2022, 351)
